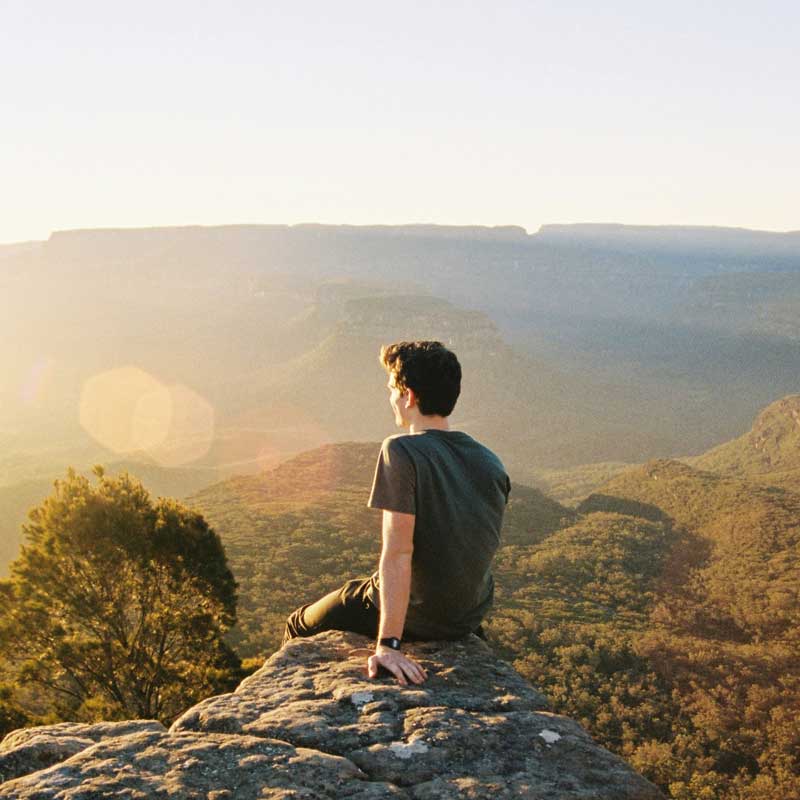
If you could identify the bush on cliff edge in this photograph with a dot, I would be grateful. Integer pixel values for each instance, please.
(117, 605)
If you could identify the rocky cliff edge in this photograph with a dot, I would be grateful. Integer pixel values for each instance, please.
(310, 724)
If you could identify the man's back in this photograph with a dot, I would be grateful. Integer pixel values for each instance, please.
(457, 489)
(443, 495)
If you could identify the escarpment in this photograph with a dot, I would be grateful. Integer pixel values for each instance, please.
(311, 724)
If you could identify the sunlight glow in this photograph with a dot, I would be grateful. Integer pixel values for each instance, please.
(191, 429)
(128, 410)
(35, 385)
(108, 408)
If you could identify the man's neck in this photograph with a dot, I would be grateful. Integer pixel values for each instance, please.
(432, 422)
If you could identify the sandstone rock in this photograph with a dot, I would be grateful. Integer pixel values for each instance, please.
(31, 749)
(190, 766)
(311, 724)
(316, 694)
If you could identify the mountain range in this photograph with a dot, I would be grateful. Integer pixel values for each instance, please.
(585, 347)
(641, 342)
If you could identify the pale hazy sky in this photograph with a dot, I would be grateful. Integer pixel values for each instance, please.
(173, 113)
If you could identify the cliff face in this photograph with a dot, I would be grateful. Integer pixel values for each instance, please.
(310, 724)
(768, 453)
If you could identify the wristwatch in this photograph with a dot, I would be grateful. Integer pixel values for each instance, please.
(390, 641)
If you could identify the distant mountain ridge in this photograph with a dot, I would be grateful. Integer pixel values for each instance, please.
(316, 248)
(59, 238)
(701, 237)
(701, 234)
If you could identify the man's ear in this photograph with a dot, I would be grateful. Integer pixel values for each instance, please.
(411, 398)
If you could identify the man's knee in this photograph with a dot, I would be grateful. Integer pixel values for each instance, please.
(345, 609)
(294, 625)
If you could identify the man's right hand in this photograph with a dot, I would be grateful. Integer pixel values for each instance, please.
(405, 669)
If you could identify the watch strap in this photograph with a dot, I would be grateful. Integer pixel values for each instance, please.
(391, 642)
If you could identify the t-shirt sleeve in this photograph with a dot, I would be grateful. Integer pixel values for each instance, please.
(395, 482)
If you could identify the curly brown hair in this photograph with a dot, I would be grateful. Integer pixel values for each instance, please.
(427, 367)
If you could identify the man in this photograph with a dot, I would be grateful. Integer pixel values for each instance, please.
(443, 496)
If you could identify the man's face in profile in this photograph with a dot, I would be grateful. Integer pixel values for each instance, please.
(397, 402)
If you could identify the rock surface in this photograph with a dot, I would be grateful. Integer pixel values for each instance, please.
(311, 724)
(31, 749)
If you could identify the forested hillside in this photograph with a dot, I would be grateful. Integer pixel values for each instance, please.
(768, 453)
(723, 633)
(662, 613)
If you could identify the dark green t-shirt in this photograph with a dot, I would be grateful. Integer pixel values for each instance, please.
(458, 490)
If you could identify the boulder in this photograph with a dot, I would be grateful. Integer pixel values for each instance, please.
(311, 724)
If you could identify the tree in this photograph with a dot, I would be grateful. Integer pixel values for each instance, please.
(117, 605)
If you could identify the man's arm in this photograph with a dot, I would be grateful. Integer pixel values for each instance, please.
(395, 587)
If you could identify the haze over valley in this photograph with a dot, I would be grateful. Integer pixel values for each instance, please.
(581, 344)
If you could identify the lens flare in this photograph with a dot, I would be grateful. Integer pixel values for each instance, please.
(191, 430)
(108, 409)
(128, 410)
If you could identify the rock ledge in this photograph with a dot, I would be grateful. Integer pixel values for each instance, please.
(311, 724)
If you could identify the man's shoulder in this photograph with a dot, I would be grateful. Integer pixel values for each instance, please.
(395, 449)
(438, 443)
(395, 442)
(408, 443)
(395, 437)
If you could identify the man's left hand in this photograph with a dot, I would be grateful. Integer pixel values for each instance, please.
(405, 669)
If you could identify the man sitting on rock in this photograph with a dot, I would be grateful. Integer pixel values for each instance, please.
(443, 495)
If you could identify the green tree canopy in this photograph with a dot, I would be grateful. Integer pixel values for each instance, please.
(117, 605)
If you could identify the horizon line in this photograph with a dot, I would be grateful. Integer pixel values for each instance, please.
(400, 226)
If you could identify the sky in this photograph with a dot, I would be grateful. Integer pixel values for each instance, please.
(524, 113)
